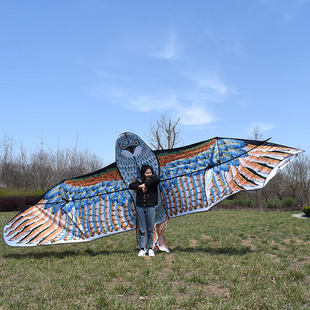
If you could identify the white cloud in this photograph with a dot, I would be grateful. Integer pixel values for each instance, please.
(190, 113)
(210, 88)
(148, 103)
(193, 100)
(169, 49)
(213, 85)
(261, 127)
(195, 115)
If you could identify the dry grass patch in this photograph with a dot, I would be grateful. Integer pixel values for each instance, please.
(249, 243)
(193, 243)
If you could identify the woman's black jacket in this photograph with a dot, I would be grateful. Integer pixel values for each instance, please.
(150, 197)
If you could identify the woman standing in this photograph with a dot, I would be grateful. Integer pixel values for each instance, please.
(146, 200)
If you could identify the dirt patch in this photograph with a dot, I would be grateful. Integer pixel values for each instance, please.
(216, 289)
(297, 264)
(169, 261)
(168, 266)
(248, 243)
(193, 243)
(295, 241)
(182, 290)
(206, 237)
(273, 257)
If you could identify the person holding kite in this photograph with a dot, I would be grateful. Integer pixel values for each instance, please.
(146, 201)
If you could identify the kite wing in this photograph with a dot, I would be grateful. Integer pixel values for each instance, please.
(196, 177)
(76, 210)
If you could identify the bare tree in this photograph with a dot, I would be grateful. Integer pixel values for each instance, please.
(164, 135)
(297, 179)
(43, 168)
(7, 161)
(256, 133)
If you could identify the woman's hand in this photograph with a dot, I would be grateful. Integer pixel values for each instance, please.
(143, 187)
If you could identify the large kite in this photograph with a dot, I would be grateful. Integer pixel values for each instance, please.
(193, 178)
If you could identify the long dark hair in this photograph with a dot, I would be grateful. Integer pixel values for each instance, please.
(143, 170)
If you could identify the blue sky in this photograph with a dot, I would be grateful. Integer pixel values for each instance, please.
(94, 69)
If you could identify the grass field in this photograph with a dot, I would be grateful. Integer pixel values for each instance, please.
(232, 259)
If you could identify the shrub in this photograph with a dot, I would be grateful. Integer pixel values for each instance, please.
(273, 203)
(288, 202)
(248, 203)
(306, 210)
(236, 203)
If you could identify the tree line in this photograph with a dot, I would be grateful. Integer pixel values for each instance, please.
(43, 168)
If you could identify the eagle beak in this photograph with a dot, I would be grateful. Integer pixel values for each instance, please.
(131, 149)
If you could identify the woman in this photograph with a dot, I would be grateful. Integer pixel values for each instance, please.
(146, 200)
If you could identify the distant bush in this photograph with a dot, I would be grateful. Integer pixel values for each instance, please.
(306, 210)
(236, 203)
(274, 203)
(288, 203)
(247, 203)
(17, 199)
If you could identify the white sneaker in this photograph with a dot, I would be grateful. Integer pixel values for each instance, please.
(151, 252)
(141, 253)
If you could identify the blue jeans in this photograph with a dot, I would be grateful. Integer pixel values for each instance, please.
(145, 217)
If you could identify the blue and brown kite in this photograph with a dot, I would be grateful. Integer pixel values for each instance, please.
(193, 178)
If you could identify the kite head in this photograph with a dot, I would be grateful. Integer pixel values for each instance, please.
(131, 154)
(129, 145)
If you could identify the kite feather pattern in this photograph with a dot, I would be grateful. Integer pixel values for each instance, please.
(193, 178)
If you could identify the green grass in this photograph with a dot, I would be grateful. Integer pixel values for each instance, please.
(219, 260)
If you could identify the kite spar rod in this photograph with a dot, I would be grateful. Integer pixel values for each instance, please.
(62, 208)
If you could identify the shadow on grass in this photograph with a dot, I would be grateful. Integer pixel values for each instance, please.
(214, 251)
(67, 253)
(41, 255)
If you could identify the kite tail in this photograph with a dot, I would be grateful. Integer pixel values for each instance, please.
(159, 240)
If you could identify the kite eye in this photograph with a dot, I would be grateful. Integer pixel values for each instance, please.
(123, 147)
(137, 143)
